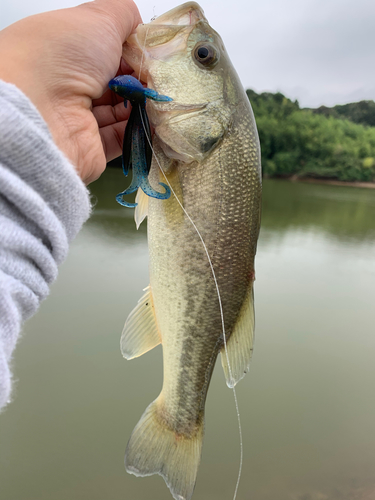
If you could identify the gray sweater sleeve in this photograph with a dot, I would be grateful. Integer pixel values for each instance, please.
(43, 204)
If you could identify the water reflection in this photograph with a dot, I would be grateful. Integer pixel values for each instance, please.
(307, 405)
(345, 213)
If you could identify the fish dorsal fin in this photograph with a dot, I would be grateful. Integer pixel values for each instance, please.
(140, 333)
(141, 210)
(240, 343)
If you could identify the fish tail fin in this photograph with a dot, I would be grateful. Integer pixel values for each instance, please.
(153, 448)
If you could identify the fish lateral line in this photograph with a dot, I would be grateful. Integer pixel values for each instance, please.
(136, 149)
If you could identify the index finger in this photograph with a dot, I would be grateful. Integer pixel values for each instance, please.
(109, 97)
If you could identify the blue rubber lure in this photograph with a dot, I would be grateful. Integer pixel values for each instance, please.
(136, 149)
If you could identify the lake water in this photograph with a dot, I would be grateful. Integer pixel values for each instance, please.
(307, 404)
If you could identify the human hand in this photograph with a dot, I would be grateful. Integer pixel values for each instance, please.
(63, 61)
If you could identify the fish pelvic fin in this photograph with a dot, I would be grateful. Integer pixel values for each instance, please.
(140, 333)
(240, 343)
(154, 448)
(141, 210)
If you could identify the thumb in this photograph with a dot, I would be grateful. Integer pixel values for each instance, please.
(123, 13)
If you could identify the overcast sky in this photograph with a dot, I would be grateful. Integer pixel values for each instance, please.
(316, 51)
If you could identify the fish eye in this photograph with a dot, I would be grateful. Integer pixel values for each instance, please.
(206, 55)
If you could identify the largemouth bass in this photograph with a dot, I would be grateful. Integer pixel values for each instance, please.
(207, 150)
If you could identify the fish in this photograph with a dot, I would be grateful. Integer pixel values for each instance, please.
(202, 240)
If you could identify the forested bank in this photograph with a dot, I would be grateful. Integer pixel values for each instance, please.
(332, 143)
(335, 143)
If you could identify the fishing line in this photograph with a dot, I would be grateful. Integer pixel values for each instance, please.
(220, 305)
(143, 51)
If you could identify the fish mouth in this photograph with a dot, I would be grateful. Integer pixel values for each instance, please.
(161, 38)
(186, 14)
(175, 106)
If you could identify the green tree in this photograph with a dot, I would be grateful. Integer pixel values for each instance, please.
(303, 143)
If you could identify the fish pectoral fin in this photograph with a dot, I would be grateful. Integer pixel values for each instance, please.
(141, 210)
(240, 343)
(140, 333)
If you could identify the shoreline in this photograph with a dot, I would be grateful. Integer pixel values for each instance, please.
(332, 182)
(116, 163)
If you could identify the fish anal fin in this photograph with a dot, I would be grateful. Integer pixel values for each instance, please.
(153, 448)
(141, 210)
(240, 343)
(140, 333)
